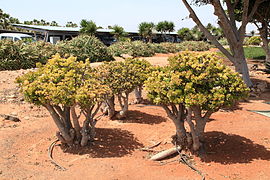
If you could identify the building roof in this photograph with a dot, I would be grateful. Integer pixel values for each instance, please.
(68, 29)
(54, 28)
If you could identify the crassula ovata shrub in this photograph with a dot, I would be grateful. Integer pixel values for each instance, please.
(60, 86)
(192, 87)
(123, 77)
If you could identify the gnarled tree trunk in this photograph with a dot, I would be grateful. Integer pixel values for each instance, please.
(123, 101)
(138, 95)
(194, 138)
(73, 133)
(234, 35)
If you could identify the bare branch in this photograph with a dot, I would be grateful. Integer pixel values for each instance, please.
(207, 115)
(96, 110)
(206, 32)
(168, 111)
(231, 9)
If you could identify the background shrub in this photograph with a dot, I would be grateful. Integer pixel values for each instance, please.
(83, 47)
(194, 46)
(19, 55)
(134, 49)
(223, 41)
(254, 40)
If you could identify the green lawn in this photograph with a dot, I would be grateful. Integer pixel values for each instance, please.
(252, 53)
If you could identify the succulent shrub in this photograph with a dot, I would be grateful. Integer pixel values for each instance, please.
(133, 48)
(20, 55)
(59, 86)
(122, 77)
(194, 46)
(254, 40)
(223, 41)
(194, 86)
(83, 47)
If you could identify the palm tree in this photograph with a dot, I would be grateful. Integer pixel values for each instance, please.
(54, 23)
(88, 27)
(161, 27)
(185, 34)
(71, 24)
(146, 30)
(6, 20)
(169, 26)
(197, 34)
(118, 32)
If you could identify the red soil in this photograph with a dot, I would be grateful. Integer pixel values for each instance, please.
(237, 142)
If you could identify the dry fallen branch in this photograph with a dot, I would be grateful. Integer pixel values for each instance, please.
(165, 153)
(150, 148)
(50, 151)
(11, 118)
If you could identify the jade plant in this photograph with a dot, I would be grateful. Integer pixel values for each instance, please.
(123, 77)
(60, 86)
(190, 89)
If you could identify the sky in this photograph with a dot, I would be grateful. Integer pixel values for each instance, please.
(126, 13)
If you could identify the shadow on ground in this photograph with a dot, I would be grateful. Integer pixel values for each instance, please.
(110, 142)
(135, 116)
(230, 149)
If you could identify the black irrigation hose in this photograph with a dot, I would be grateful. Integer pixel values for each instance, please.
(50, 151)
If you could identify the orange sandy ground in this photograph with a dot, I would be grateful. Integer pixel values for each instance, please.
(237, 142)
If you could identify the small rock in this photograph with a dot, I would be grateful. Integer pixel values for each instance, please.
(12, 96)
(14, 114)
(26, 118)
(9, 100)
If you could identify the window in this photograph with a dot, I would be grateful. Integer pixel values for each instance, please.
(6, 37)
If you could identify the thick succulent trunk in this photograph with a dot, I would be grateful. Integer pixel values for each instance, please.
(178, 117)
(123, 101)
(193, 139)
(108, 107)
(193, 132)
(85, 132)
(76, 123)
(138, 94)
(65, 134)
(77, 135)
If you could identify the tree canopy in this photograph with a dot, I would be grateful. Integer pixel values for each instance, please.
(88, 27)
(118, 31)
(146, 30)
(227, 22)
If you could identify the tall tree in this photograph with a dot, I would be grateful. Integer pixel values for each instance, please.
(227, 21)
(185, 34)
(118, 32)
(146, 30)
(6, 20)
(161, 27)
(54, 23)
(197, 34)
(88, 27)
(169, 27)
(165, 26)
(262, 21)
